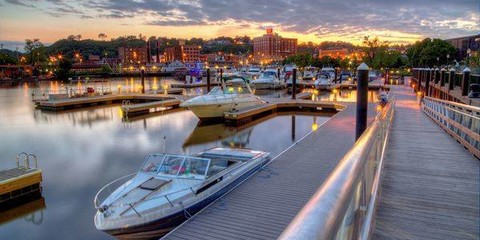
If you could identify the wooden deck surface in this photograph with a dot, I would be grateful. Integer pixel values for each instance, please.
(18, 178)
(430, 187)
(263, 206)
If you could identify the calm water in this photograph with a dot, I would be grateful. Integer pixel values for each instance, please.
(82, 150)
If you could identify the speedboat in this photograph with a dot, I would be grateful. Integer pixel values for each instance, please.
(372, 76)
(222, 99)
(254, 72)
(268, 80)
(330, 71)
(168, 189)
(236, 80)
(323, 82)
(309, 73)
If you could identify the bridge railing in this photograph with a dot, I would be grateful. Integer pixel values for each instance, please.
(343, 207)
(459, 120)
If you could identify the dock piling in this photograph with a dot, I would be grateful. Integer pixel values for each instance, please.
(427, 82)
(143, 80)
(451, 79)
(294, 83)
(208, 79)
(362, 100)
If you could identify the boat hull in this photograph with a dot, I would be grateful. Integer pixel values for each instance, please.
(268, 85)
(160, 227)
(214, 111)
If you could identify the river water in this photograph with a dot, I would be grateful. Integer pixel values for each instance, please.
(81, 150)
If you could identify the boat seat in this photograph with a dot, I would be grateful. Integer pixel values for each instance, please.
(154, 184)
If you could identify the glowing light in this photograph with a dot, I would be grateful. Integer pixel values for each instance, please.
(334, 91)
(314, 127)
(419, 93)
(379, 108)
(230, 89)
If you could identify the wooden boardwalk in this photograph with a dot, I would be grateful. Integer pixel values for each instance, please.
(263, 206)
(430, 186)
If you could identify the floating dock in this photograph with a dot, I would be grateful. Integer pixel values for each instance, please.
(130, 110)
(20, 181)
(69, 103)
(193, 85)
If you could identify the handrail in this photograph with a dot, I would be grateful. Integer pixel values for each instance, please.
(339, 204)
(456, 105)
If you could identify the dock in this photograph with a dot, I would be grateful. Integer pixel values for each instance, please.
(21, 180)
(69, 103)
(430, 186)
(263, 205)
(193, 85)
(130, 110)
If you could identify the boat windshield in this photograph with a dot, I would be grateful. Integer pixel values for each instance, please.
(269, 74)
(176, 165)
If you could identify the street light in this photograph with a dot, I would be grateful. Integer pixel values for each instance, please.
(448, 61)
(469, 52)
(438, 58)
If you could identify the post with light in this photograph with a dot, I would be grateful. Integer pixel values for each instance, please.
(362, 100)
(465, 81)
(427, 82)
(442, 77)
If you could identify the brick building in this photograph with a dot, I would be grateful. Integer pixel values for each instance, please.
(134, 55)
(183, 53)
(340, 53)
(274, 47)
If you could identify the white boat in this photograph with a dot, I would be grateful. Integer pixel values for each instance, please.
(309, 73)
(254, 72)
(323, 82)
(372, 76)
(268, 80)
(171, 67)
(330, 72)
(168, 189)
(220, 100)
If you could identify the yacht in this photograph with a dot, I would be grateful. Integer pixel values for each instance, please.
(268, 80)
(254, 72)
(330, 71)
(309, 73)
(170, 68)
(323, 81)
(372, 76)
(222, 99)
(168, 189)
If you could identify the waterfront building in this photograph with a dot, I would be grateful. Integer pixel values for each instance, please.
(273, 47)
(136, 55)
(340, 53)
(463, 44)
(183, 53)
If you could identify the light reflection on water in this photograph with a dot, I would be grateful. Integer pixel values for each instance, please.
(82, 150)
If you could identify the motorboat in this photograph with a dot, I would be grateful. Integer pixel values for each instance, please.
(372, 76)
(222, 99)
(236, 80)
(309, 73)
(169, 188)
(323, 81)
(268, 80)
(254, 72)
(330, 71)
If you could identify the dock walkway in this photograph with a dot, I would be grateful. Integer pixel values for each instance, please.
(263, 206)
(430, 186)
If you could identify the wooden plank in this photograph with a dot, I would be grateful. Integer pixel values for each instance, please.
(430, 182)
(147, 106)
(274, 195)
(21, 181)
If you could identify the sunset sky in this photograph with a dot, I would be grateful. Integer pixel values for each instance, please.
(398, 21)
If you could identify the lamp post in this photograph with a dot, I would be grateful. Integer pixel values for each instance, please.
(438, 59)
(469, 52)
(448, 61)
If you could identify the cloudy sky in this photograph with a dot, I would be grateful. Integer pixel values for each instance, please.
(399, 21)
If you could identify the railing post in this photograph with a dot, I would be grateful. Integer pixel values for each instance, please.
(451, 79)
(465, 81)
(362, 100)
(427, 82)
(442, 77)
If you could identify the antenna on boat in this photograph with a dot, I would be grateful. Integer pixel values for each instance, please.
(164, 143)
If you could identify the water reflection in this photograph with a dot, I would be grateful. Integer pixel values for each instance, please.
(29, 210)
(82, 150)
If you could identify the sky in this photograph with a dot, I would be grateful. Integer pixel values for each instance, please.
(396, 21)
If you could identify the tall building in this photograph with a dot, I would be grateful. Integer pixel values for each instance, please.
(462, 44)
(134, 55)
(183, 53)
(272, 46)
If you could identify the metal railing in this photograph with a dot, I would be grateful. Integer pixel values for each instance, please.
(343, 207)
(459, 120)
(26, 160)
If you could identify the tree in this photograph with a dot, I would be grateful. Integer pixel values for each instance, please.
(64, 67)
(35, 50)
(106, 69)
(102, 36)
(426, 52)
(8, 56)
(372, 49)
